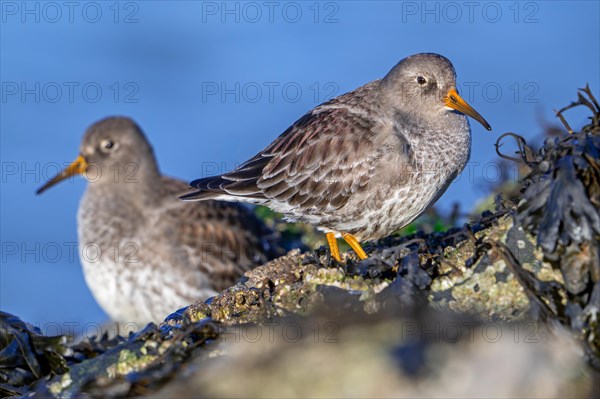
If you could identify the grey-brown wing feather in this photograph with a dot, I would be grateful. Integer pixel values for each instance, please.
(322, 160)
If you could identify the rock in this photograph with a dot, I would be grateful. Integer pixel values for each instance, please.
(389, 357)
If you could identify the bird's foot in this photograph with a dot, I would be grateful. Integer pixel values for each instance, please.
(334, 250)
(353, 242)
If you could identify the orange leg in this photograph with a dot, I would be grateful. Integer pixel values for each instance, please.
(333, 246)
(353, 242)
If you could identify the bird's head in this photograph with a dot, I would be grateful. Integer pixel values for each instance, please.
(113, 151)
(425, 84)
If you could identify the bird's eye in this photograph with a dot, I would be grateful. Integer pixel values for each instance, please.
(107, 144)
(421, 80)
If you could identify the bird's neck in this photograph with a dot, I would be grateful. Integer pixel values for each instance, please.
(137, 181)
(445, 141)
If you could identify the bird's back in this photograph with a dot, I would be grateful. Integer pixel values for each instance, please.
(228, 233)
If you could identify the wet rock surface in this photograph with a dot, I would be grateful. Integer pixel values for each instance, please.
(452, 271)
(468, 312)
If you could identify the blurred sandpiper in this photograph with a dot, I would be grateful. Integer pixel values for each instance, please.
(144, 252)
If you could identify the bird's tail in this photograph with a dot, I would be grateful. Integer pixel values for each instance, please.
(205, 189)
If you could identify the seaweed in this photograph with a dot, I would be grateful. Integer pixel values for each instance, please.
(560, 205)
